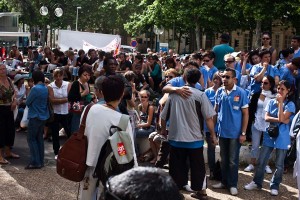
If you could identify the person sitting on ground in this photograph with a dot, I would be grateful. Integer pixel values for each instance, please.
(142, 183)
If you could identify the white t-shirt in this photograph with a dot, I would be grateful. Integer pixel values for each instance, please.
(98, 122)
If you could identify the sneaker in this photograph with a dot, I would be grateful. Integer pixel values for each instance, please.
(251, 186)
(274, 192)
(218, 186)
(188, 188)
(249, 168)
(268, 169)
(233, 191)
(198, 195)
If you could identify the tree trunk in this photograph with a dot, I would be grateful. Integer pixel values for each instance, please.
(51, 35)
(198, 35)
(257, 40)
(179, 41)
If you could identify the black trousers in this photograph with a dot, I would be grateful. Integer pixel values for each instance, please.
(178, 167)
(63, 120)
(7, 127)
(163, 154)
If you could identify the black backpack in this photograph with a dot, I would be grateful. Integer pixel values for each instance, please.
(116, 154)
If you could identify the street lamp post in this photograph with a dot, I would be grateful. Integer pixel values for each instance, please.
(77, 17)
(158, 31)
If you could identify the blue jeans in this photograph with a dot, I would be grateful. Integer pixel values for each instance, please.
(35, 141)
(262, 162)
(229, 151)
(211, 152)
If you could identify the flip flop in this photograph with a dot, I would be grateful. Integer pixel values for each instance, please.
(12, 156)
(4, 162)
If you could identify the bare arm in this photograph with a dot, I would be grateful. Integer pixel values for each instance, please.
(258, 77)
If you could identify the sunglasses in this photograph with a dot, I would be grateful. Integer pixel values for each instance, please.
(228, 61)
(169, 76)
(265, 38)
(206, 60)
(265, 83)
(144, 97)
(227, 77)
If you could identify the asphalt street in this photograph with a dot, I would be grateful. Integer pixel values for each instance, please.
(17, 183)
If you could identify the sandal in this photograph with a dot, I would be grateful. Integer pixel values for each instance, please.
(3, 162)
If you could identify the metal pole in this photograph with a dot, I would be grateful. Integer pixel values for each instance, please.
(77, 17)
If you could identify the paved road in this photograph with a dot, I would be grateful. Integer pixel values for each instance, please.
(17, 183)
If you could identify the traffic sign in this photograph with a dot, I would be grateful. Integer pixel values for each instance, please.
(133, 43)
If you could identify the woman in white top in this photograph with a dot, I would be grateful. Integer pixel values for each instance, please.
(58, 96)
(259, 124)
(98, 122)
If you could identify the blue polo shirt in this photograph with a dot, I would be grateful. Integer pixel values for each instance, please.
(211, 72)
(205, 76)
(286, 74)
(210, 93)
(230, 111)
(283, 140)
(256, 69)
(179, 82)
(37, 102)
(238, 66)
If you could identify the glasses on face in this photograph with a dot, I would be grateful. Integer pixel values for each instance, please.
(144, 97)
(226, 76)
(169, 76)
(265, 38)
(265, 83)
(228, 61)
(206, 60)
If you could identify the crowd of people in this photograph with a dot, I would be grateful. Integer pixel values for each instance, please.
(218, 96)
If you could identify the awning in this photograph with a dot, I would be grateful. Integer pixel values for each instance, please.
(14, 34)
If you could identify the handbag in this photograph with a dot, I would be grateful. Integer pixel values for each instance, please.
(71, 159)
(273, 130)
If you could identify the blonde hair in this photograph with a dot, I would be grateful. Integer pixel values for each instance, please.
(144, 92)
(171, 71)
(57, 72)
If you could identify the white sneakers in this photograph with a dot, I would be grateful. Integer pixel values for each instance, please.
(188, 188)
(218, 186)
(251, 186)
(274, 192)
(249, 168)
(233, 191)
(268, 169)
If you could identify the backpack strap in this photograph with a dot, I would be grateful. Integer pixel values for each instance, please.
(82, 124)
(124, 122)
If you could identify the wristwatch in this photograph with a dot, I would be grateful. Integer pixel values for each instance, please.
(243, 133)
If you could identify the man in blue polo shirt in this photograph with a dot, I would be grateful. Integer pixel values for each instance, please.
(232, 108)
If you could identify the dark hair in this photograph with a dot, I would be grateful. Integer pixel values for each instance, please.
(99, 82)
(267, 33)
(209, 54)
(264, 52)
(112, 88)
(272, 83)
(192, 76)
(231, 70)
(38, 76)
(251, 54)
(105, 64)
(101, 54)
(296, 37)
(129, 75)
(171, 60)
(143, 183)
(296, 62)
(139, 57)
(288, 86)
(193, 63)
(80, 52)
(197, 56)
(84, 69)
(286, 52)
